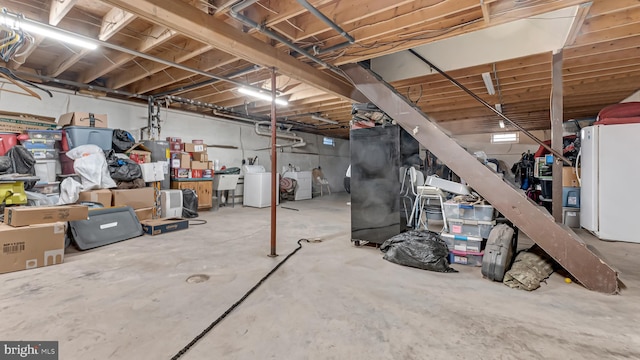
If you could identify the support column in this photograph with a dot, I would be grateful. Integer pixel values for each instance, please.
(274, 164)
(556, 133)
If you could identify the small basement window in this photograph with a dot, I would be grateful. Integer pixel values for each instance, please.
(505, 138)
(328, 141)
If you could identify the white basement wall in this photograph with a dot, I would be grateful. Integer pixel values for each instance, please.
(129, 116)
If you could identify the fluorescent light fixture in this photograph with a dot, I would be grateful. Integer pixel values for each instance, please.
(320, 118)
(15, 22)
(488, 83)
(501, 123)
(499, 108)
(262, 96)
(503, 138)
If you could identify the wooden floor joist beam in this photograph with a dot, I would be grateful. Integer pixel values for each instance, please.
(557, 240)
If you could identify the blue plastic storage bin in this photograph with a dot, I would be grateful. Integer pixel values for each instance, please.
(83, 135)
(571, 197)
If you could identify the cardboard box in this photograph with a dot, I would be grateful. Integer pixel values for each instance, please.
(144, 214)
(102, 196)
(175, 146)
(17, 122)
(191, 148)
(173, 139)
(83, 119)
(185, 161)
(30, 247)
(162, 226)
(569, 177)
(136, 198)
(203, 156)
(200, 165)
(152, 172)
(31, 215)
(139, 153)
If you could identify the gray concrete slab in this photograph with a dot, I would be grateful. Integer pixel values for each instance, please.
(330, 301)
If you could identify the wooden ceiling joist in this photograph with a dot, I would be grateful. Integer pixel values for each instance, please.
(189, 21)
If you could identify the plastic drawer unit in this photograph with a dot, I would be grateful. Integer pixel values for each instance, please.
(83, 135)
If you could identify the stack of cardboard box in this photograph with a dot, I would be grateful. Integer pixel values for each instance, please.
(189, 160)
(142, 200)
(34, 236)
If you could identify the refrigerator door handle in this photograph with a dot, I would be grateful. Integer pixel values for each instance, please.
(578, 167)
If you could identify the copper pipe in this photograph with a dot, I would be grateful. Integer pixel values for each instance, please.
(274, 163)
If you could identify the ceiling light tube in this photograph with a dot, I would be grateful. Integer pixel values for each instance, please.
(320, 118)
(501, 123)
(16, 22)
(488, 83)
(262, 96)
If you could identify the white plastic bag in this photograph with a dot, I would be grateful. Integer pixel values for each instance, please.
(69, 190)
(90, 163)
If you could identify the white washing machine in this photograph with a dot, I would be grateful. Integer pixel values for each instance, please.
(257, 187)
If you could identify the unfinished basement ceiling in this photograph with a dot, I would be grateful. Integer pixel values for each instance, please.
(600, 41)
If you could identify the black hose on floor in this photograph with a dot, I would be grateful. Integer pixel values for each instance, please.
(242, 299)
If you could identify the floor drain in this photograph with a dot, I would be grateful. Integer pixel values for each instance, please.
(198, 278)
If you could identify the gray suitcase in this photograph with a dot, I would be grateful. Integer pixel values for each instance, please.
(498, 253)
(105, 226)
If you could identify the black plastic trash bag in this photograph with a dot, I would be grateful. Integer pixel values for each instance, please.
(5, 165)
(189, 204)
(122, 169)
(22, 162)
(420, 249)
(122, 140)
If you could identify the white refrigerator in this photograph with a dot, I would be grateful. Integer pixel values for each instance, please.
(609, 176)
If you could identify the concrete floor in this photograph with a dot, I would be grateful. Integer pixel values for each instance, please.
(331, 300)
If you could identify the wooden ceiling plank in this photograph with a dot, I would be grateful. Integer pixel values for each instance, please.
(215, 60)
(486, 11)
(498, 17)
(145, 68)
(193, 23)
(605, 7)
(154, 36)
(59, 9)
(349, 12)
(612, 20)
(114, 21)
(630, 30)
(578, 22)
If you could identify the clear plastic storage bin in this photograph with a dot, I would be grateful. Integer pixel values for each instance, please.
(44, 154)
(45, 134)
(454, 210)
(38, 144)
(475, 228)
(466, 257)
(463, 243)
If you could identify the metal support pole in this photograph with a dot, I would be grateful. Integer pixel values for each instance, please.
(274, 164)
(556, 133)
